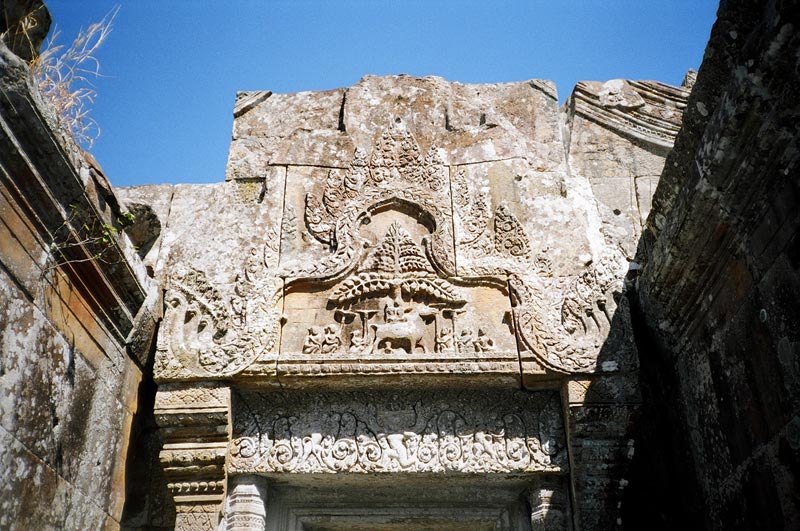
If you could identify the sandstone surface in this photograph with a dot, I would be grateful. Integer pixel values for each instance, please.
(415, 304)
(401, 234)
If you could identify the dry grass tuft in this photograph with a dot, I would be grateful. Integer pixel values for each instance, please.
(65, 75)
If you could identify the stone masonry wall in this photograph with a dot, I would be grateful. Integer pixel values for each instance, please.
(76, 324)
(717, 300)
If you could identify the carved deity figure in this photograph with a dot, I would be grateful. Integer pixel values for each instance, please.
(444, 341)
(403, 325)
(314, 340)
(483, 343)
(399, 451)
(394, 313)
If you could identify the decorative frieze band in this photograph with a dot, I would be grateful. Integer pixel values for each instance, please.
(358, 432)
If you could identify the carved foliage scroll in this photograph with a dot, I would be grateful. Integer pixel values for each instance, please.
(490, 241)
(568, 338)
(206, 335)
(395, 172)
(465, 432)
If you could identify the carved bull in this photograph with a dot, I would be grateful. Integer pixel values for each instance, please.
(406, 327)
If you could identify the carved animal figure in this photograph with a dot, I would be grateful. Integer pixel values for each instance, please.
(402, 326)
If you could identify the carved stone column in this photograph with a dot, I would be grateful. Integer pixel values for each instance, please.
(246, 506)
(193, 418)
(550, 510)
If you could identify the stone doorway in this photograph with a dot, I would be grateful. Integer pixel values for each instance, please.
(385, 460)
(405, 502)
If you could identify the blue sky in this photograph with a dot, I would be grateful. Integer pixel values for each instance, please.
(172, 67)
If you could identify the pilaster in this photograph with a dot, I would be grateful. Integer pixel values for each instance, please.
(194, 422)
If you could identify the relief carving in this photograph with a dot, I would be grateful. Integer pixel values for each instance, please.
(472, 206)
(323, 340)
(645, 110)
(401, 279)
(203, 334)
(509, 236)
(466, 432)
(395, 172)
(194, 467)
(568, 339)
(483, 235)
(390, 279)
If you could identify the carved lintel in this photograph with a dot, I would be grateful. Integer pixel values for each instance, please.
(417, 432)
(193, 422)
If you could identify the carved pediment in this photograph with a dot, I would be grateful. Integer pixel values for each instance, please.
(395, 174)
(393, 300)
(399, 264)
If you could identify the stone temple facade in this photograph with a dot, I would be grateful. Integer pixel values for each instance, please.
(414, 281)
(416, 304)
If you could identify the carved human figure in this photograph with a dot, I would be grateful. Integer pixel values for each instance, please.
(444, 341)
(394, 313)
(398, 448)
(484, 443)
(314, 340)
(332, 339)
(358, 342)
(483, 343)
(465, 341)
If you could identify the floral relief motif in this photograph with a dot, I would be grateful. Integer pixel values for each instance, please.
(418, 432)
(395, 172)
(206, 335)
(509, 236)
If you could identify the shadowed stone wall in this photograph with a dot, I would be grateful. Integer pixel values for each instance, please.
(717, 299)
(77, 316)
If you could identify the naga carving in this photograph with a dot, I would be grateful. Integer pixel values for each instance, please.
(568, 340)
(205, 335)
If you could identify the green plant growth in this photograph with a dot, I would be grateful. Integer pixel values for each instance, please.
(79, 230)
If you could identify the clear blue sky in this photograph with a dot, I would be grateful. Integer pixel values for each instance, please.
(172, 67)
